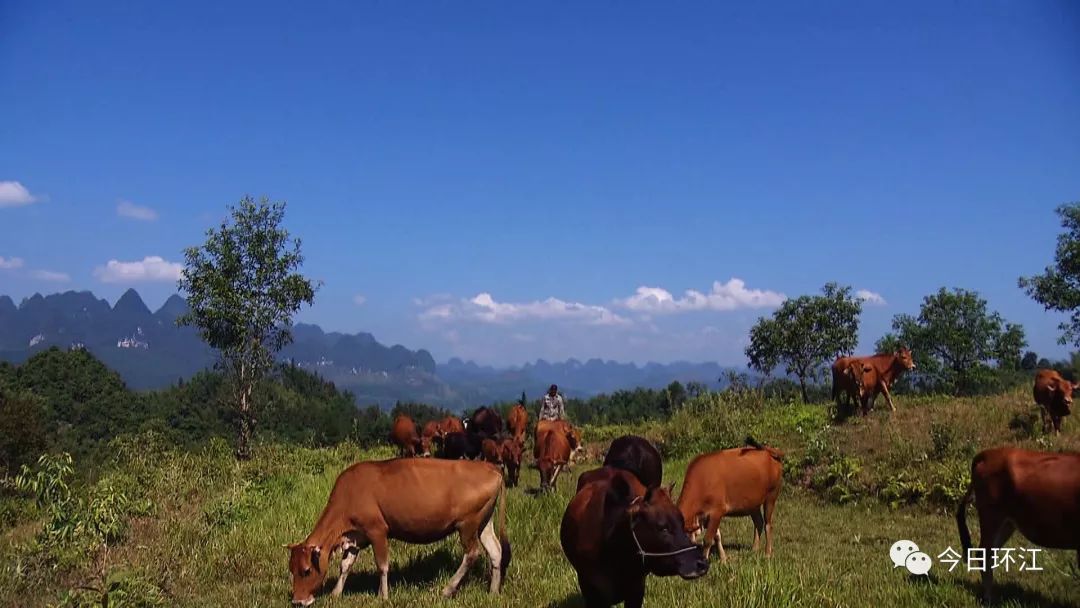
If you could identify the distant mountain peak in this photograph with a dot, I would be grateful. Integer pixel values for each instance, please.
(7, 306)
(131, 303)
(173, 307)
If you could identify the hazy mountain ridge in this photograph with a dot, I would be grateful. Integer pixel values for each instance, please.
(149, 351)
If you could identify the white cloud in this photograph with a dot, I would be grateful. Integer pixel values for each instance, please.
(151, 268)
(14, 194)
(10, 263)
(359, 299)
(135, 212)
(870, 297)
(732, 295)
(50, 276)
(484, 308)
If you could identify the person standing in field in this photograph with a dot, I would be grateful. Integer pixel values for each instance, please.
(552, 406)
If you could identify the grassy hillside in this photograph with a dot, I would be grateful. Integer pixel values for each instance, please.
(198, 529)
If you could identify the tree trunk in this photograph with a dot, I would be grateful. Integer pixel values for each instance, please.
(245, 424)
(243, 437)
(802, 386)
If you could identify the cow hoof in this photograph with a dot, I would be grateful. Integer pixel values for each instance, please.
(448, 592)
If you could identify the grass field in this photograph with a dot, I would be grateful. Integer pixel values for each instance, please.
(214, 534)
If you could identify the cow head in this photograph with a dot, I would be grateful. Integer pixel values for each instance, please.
(660, 534)
(903, 356)
(307, 566)
(1063, 397)
(425, 445)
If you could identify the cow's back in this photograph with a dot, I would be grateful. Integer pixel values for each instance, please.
(736, 479)
(420, 500)
(639, 456)
(1039, 491)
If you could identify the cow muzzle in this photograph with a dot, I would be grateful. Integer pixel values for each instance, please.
(304, 602)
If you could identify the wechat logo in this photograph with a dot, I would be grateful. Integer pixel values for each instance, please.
(906, 554)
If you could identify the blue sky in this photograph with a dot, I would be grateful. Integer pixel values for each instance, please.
(498, 182)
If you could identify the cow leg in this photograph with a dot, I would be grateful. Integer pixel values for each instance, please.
(1056, 420)
(759, 527)
(555, 475)
(888, 397)
(493, 546)
(770, 510)
(994, 531)
(349, 551)
(380, 546)
(712, 534)
(471, 542)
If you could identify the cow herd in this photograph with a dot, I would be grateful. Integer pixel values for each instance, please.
(622, 524)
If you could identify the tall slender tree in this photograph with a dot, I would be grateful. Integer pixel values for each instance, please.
(243, 288)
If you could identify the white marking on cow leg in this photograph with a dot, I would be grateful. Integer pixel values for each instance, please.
(720, 547)
(466, 562)
(349, 552)
(555, 475)
(493, 546)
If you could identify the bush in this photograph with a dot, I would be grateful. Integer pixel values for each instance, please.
(120, 590)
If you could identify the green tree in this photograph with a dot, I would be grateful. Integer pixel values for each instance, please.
(242, 289)
(954, 340)
(1058, 287)
(805, 333)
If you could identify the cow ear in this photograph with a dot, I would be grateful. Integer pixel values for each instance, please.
(315, 552)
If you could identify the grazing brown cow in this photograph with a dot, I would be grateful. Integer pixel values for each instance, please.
(430, 436)
(1037, 493)
(511, 459)
(553, 449)
(416, 501)
(1054, 396)
(517, 421)
(737, 482)
(403, 434)
(888, 367)
(616, 531)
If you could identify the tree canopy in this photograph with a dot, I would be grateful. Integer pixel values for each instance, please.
(805, 333)
(1058, 287)
(957, 343)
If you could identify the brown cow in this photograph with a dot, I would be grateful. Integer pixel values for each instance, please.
(861, 378)
(615, 532)
(417, 501)
(555, 443)
(517, 421)
(403, 434)
(1053, 394)
(737, 482)
(491, 451)
(1035, 492)
(888, 366)
(485, 421)
(431, 435)
(511, 459)
(451, 424)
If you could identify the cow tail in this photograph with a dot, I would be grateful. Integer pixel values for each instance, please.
(775, 453)
(503, 540)
(961, 518)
